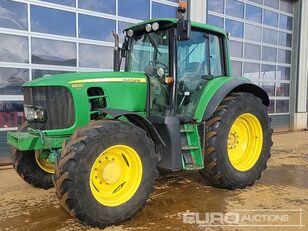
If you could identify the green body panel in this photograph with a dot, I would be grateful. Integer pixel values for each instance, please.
(193, 139)
(25, 141)
(123, 90)
(208, 92)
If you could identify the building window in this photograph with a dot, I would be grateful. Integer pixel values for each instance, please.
(235, 8)
(216, 21)
(272, 3)
(163, 11)
(13, 15)
(253, 33)
(252, 71)
(63, 2)
(11, 80)
(216, 6)
(236, 68)
(269, 54)
(52, 52)
(268, 72)
(235, 28)
(91, 27)
(270, 36)
(236, 49)
(47, 20)
(253, 13)
(104, 6)
(138, 9)
(286, 22)
(14, 48)
(95, 56)
(270, 18)
(252, 51)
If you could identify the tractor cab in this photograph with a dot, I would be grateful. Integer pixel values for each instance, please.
(177, 68)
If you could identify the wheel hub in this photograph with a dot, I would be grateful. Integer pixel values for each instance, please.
(41, 158)
(233, 140)
(112, 173)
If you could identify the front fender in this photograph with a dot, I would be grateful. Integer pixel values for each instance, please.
(217, 89)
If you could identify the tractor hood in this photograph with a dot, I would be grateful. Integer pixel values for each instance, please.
(121, 90)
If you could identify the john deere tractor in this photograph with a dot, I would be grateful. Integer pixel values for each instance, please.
(100, 138)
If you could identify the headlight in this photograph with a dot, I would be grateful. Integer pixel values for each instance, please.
(33, 113)
(155, 26)
(130, 33)
(160, 72)
(148, 27)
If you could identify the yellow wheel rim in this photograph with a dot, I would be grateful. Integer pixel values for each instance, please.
(43, 163)
(245, 141)
(116, 175)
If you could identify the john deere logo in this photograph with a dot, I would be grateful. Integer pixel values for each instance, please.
(77, 85)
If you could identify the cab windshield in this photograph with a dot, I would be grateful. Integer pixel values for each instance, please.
(148, 49)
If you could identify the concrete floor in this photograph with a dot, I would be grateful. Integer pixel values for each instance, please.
(283, 186)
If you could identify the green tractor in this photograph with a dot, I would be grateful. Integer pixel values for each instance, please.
(100, 138)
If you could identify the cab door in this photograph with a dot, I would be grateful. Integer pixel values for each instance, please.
(199, 60)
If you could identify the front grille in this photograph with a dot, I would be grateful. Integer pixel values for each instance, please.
(57, 101)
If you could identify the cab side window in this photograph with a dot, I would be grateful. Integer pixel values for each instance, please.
(215, 56)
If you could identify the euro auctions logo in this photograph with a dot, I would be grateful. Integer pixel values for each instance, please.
(246, 218)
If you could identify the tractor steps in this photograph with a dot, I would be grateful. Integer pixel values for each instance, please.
(187, 130)
(189, 147)
(192, 157)
(192, 167)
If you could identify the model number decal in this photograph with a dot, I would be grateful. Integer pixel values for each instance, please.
(77, 85)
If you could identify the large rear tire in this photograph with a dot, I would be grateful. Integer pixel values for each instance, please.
(106, 172)
(238, 142)
(26, 165)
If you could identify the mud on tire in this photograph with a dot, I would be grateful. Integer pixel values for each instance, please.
(74, 166)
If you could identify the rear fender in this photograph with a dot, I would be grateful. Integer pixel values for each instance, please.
(215, 92)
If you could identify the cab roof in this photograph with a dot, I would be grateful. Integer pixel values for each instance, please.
(173, 21)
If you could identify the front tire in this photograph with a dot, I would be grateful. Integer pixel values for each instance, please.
(26, 165)
(106, 172)
(238, 142)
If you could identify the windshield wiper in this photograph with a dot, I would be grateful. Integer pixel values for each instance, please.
(190, 53)
(154, 44)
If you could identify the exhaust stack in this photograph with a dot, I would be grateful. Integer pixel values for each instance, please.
(116, 53)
